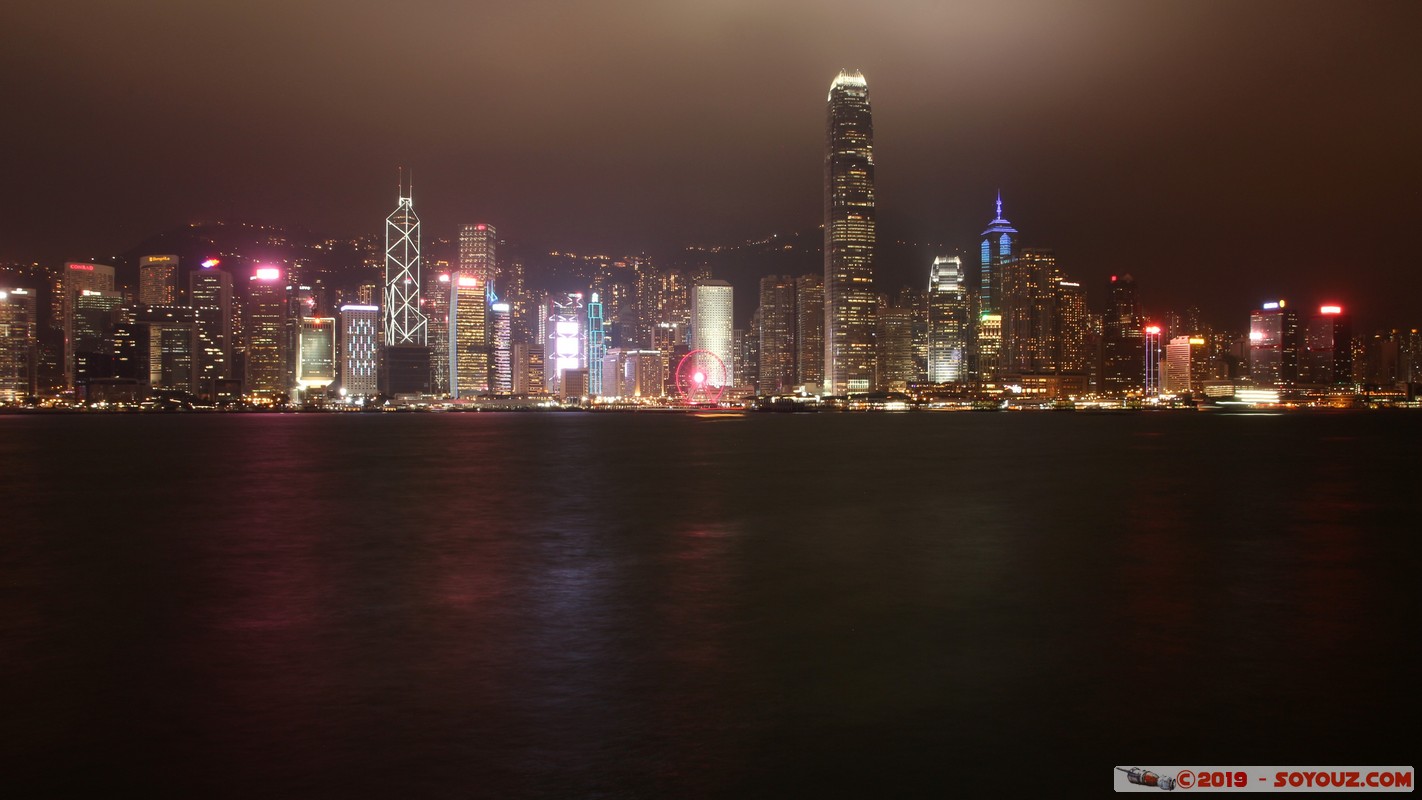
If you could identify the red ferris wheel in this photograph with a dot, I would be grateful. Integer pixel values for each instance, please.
(700, 377)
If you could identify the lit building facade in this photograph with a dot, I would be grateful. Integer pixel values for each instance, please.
(711, 321)
(1122, 339)
(997, 247)
(810, 331)
(643, 374)
(478, 250)
(1274, 343)
(777, 353)
(437, 298)
(18, 345)
(210, 293)
(1186, 365)
(597, 346)
(948, 332)
(267, 351)
(316, 367)
(501, 347)
(528, 369)
(173, 349)
(1327, 358)
(1029, 320)
(1152, 360)
(1073, 328)
(894, 340)
(78, 277)
(158, 280)
(359, 335)
(93, 315)
(566, 340)
(468, 350)
(849, 231)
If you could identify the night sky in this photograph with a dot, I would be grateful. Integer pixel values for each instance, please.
(1223, 152)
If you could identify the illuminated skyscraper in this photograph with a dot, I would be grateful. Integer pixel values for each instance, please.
(405, 324)
(501, 347)
(477, 250)
(78, 277)
(1029, 323)
(1122, 339)
(316, 366)
(210, 292)
(776, 355)
(894, 339)
(267, 353)
(850, 301)
(93, 315)
(810, 330)
(528, 368)
(1327, 359)
(18, 344)
(997, 249)
(1186, 358)
(597, 346)
(999, 246)
(566, 347)
(1151, 361)
(947, 321)
(468, 352)
(173, 350)
(1274, 344)
(711, 324)
(359, 324)
(436, 297)
(1073, 328)
(158, 280)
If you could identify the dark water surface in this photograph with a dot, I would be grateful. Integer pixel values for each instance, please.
(619, 605)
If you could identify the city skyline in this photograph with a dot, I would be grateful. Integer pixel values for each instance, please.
(1274, 164)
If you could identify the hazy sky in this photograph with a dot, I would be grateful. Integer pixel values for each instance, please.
(1224, 152)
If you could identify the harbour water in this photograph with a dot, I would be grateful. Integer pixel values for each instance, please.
(655, 605)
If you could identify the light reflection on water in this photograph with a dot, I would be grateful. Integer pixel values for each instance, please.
(623, 605)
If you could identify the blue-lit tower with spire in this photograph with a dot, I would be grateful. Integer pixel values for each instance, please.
(999, 246)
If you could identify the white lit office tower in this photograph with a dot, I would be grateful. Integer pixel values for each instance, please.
(502, 378)
(359, 325)
(711, 309)
(947, 321)
(565, 349)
